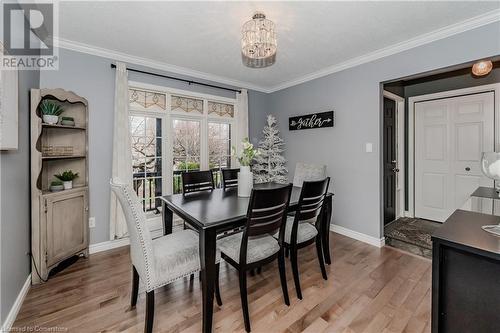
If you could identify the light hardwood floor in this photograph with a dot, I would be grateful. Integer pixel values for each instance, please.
(368, 290)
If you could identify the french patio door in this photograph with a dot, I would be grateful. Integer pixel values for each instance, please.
(450, 135)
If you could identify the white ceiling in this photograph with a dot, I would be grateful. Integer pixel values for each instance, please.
(203, 38)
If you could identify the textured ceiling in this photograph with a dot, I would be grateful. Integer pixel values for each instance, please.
(205, 36)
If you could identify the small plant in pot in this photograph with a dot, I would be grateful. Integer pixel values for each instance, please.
(50, 111)
(67, 178)
(56, 186)
(68, 121)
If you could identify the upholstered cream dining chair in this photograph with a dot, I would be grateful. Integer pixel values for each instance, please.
(308, 172)
(159, 261)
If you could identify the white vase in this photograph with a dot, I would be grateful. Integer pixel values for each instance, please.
(245, 181)
(50, 119)
(68, 185)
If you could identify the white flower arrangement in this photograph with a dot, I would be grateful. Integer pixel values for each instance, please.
(247, 154)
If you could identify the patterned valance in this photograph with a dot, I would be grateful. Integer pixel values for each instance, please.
(147, 99)
(221, 109)
(186, 104)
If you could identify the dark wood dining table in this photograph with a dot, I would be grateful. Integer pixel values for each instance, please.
(214, 212)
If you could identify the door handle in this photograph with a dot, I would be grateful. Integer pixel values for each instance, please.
(467, 169)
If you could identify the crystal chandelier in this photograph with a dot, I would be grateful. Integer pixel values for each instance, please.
(258, 42)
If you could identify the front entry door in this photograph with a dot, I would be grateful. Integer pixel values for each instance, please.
(389, 160)
(450, 135)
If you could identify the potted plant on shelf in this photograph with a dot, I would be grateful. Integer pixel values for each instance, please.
(245, 176)
(50, 111)
(56, 186)
(68, 121)
(67, 178)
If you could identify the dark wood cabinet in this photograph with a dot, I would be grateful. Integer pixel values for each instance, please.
(466, 275)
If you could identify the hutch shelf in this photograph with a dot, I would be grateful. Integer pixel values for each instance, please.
(59, 220)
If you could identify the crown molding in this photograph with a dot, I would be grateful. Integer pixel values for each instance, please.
(158, 65)
(450, 30)
(469, 24)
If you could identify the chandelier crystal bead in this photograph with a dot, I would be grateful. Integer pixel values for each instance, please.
(258, 42)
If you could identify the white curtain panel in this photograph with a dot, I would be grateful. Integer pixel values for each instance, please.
(122, 156)
(242, 118)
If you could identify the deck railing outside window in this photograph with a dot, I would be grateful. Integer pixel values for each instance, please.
(148, 189)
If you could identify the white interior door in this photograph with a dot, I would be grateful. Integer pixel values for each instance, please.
(450, 135)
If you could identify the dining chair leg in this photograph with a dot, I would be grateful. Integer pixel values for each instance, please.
(295, 270)
(281, 267)
(244, 299)
(287, 252)
(150, 311)
(325, 237)
(319, 249)
(217, 288)
(135, 287)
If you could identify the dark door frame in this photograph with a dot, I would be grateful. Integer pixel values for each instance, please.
(400, 149)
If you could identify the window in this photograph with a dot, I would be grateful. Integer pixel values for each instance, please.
(146, 141)
(147, 134)
(219, 149)
(186, 149)
(220, 109)
(149, 100)
(186, 104)
(176, 131)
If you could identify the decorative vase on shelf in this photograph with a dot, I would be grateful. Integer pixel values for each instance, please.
(68, 185)
(245, 181)
(56, 188)
(490, 165)
(50, 119)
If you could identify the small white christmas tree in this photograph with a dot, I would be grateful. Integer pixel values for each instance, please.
(269, 164)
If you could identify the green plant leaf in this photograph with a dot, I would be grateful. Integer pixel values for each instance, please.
(66, 176)
(50, 108)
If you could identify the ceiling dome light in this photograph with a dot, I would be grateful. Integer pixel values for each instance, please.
(258, 42)
(482, 68)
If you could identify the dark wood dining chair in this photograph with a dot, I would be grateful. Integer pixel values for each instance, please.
(196, 181)
(230, 178)
(254, 246)
(304, 228)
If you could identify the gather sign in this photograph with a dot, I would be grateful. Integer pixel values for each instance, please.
(309, 121)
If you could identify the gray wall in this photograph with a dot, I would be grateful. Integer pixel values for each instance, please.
(15, 203)
(354, 94)
(258, 108)
(92, 77)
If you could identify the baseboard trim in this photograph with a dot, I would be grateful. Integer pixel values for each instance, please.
(116, 243)
(14, 310)
(108, 245)
(358, 235)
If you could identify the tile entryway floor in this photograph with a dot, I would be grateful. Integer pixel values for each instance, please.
(412, 235)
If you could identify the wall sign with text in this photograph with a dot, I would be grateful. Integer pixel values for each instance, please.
(309, 121)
